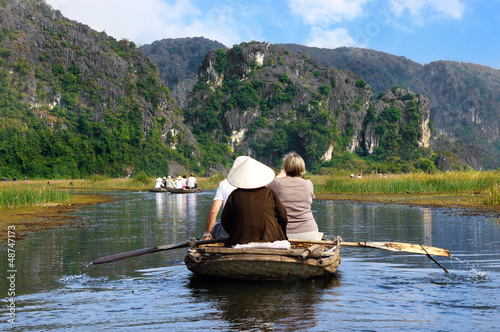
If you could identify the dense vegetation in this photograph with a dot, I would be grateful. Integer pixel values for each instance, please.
(21, 196)
(74, 145)
(63, 118)
(415, 183)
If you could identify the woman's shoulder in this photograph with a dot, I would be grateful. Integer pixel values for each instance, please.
(275, 183)
(300, 180)
(306, 183)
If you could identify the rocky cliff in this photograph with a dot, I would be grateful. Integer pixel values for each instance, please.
(464, 97)
(266, 101)
(178, 61)
(74, 79)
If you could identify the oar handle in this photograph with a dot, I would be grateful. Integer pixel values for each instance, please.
(139, 252)
(125, 255)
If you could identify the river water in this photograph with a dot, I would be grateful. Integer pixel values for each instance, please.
(375, 290)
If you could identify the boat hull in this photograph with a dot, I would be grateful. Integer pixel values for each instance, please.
(158, 190)
(262, 264)
(185, 191)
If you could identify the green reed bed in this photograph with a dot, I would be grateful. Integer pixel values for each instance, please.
(415, 183)
(210, 182)
(13, 196)
(493, 195)
(101, 182)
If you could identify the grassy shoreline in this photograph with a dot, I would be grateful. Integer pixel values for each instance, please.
(34, 205)
(28, 219)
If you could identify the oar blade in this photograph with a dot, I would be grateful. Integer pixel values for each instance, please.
(401, 247)
(418, 249)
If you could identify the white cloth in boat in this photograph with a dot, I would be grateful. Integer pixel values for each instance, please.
(281, 244)
(311, 236)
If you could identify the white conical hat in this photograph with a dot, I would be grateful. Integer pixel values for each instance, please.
(239, 160)
(248, 173)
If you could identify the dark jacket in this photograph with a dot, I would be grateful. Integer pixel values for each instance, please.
(254, 215)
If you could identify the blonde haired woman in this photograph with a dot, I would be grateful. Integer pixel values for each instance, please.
(297, 195)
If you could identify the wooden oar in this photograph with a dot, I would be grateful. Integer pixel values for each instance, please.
(392, 246)
(399, 246)
(139, 252)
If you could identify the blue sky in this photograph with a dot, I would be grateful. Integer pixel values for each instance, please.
(421, 30)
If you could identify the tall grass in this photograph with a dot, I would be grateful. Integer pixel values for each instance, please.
(449, 182)
(102, 182)
(493, 195)
(13, 197)
(28, 193)
(211, 182)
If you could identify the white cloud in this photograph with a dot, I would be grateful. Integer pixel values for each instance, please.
(148, 20)
(324, 12)
(330, 38)
(427, 10)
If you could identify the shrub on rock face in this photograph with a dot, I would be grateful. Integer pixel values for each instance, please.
(425, 165)
(142, 178)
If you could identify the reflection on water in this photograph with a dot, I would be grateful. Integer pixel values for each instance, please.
(375, 289)
(160, 206)
(427, 221)
(285, 305)
(176, 207)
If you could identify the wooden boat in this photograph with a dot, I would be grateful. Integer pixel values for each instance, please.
(158, 190)
(304, 260)
(185, 190)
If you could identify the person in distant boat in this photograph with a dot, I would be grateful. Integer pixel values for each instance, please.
(158, 183)
(179, 184)
(253, 212)
(164, 182)
(191, 182)
(184, 181)
(215, 230)
(169, 183)
(297, 195)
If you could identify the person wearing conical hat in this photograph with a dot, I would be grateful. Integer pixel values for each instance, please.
(179, 183)
(214, 230)
(253, 212)
(158, 183)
